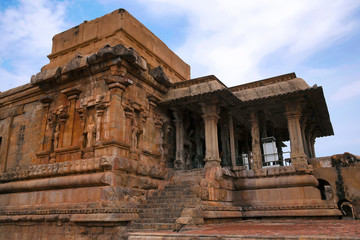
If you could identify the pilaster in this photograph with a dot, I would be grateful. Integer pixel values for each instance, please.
(72, 95)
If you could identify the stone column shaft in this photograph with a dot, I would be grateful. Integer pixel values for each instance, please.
(256, 147)
(68, 130)
(304, 140)
(232, 141)
(211, 117)
(293, 114)
(69, 125)
(179, 163)
(115, 129)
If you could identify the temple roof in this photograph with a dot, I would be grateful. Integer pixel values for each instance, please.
(199, 89)
(274, 89)
(272, 93)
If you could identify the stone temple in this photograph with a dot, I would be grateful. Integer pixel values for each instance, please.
(113, 136)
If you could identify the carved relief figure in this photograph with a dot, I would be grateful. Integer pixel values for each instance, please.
(56, 135)
(134, 134)
(90, 132)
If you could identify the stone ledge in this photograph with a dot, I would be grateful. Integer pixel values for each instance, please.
(18, 212)
(276, 182)
(79, 218)
(275, 171)
(57, 169)
(84, 180)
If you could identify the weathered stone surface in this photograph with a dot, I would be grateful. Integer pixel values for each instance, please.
(113, 133)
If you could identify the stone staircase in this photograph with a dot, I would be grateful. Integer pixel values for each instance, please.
(163, 208)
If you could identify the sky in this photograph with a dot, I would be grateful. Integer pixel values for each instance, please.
(236, 40)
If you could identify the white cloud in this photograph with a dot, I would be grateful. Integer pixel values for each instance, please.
(230, 38)
(346, 92)
(25, 40)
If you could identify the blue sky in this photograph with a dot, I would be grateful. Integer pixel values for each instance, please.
(238, 41)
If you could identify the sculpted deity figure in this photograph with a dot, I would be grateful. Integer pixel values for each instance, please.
(90, 131)
(56, 135)
(134, 135)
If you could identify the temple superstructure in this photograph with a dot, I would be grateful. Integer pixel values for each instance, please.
(112, 131)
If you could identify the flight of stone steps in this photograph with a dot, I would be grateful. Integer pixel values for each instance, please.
(164, 207)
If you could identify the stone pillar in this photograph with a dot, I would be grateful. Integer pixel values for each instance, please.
(116, 129)
(211, 117)
(45, 128)
(225, 141)
(100, 108)
(232, 141)
(73, 95)
(279, 144)
(5, 145)
(293, 115)
(308, 137)
(312, 145)
(63, 116)
(129, 115)
(179, 163)
(199, 157)
(306, 148)
(256, 147)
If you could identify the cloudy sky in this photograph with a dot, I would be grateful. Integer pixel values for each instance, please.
(238, 41)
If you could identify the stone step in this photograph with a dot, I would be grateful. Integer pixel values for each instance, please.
(173, 200)
(161, 210)
(168, 206)
(156, 220)
(153, 226)
(177, 194)
(161, 215)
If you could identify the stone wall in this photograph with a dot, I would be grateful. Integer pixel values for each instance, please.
(342, 173)
(83, 142)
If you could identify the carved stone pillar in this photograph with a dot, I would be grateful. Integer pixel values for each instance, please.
(129, 115)
(198, 136)
(225, 141)
(304, 140)
(116, 130)
(255, 136)
(312, 145)
(63, 116)
(232, 141)
(211, 117)
(179, 163)
(293, 115)
(73, 95)
(100, 108)
(159, 138)
(45, 128)
(5, 145)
